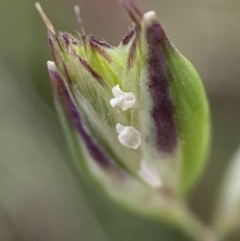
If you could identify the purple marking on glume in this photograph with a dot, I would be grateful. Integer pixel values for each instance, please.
(74, 42)
(99, 49)
(158, 85)
(89, 69)
(67, 73)
(128, 37)
(96, 152)
(101, 43)
(55, 40)
(65, 37)
(51, 45)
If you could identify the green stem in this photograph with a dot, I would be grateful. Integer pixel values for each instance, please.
(194, 227)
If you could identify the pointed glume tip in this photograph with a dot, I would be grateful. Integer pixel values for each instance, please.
(53, 72)
(52, 69)
(51, 65)
(150, 17)
(45, 18)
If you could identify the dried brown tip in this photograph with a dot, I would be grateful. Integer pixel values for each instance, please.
(133, 11)
(45, 18)
(80, 25)
(136, 9)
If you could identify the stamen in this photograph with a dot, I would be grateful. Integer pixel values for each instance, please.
(128, 136)
(123, 99)
(150, 174)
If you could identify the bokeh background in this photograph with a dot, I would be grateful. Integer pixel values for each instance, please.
(40, 197)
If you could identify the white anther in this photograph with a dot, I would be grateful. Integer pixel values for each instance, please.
(150, 174)
(128, 136)
(125, 100)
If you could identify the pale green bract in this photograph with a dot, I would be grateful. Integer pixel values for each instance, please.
(136, 115)
(227, 213)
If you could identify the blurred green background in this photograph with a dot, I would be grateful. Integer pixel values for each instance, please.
(40, 197)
